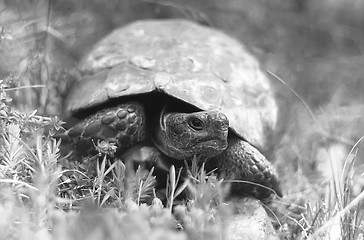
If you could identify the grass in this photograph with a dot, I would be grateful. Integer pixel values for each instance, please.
(343, 212)
(338, 213)
(46, 196)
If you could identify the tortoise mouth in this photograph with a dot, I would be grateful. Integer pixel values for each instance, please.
(214, 144)
(207, 148)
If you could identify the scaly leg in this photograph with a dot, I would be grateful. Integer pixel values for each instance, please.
(243, 162)
(123, 125)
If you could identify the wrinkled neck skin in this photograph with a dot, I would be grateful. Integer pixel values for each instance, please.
(182, 136)
(162, 141)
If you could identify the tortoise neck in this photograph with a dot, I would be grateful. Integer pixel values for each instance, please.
(162, 140)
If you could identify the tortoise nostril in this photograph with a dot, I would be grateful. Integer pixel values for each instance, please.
(222, 126)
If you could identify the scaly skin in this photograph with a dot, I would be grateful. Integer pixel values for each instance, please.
(181, 136)
(243, 162)
(123, 125)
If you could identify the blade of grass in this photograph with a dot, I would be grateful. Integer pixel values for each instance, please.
(172, 180)
(19, 183)
(338, 216)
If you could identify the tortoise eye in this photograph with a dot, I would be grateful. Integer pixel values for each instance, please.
(196, 124)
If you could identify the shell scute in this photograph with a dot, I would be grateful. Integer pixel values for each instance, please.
(197, 64)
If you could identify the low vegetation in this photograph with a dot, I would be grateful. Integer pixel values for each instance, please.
(44, 195)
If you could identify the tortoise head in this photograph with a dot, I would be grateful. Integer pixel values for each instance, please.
(183, 135)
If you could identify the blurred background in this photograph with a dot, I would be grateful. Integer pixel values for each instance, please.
(315, 48)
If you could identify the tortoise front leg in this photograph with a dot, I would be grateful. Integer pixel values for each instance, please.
(243, 162)
(122, 125)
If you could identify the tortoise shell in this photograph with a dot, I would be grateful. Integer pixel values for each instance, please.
(197, 64)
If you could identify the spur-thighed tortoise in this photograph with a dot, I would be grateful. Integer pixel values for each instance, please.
(183, 89)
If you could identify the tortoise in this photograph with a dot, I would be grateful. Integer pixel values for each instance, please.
(182, 90)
